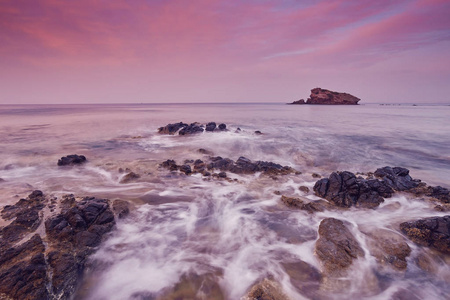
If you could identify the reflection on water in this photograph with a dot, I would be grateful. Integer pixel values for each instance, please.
(214, 239)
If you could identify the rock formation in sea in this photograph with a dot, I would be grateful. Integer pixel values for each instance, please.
(193, 128)
(73, 159)
(326, 97)
(48, 263)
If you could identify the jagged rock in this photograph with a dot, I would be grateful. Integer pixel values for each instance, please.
(71, 236)
(389, 248)
(397, 178)
(246, 166)
(336, 247)
(322, 96)
(130, 177)
(210, 126)
(172, 128)
(431, 232)
(70, 160)
(266, 290)
(23, 271)
(191, 129)
(344, 189)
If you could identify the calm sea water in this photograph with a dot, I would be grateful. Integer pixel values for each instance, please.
(233, 233)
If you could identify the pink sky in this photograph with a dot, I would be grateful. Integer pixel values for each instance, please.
(104, 51)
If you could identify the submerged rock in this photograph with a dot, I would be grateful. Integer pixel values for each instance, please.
(431, 232)
(389, 248)
(129, 177)
(310, 206)
(70, 160)
(336, 247)
(344, 189)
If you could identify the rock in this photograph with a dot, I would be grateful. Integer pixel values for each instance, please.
(172, 128)
(431, 232)
(322, 96)
(210, 126)
(266, 290)
(292, 202)
(34, 270)
(204, 151)
(130, 177)
(23, 271)
(169, 164)
(191, 129)
(397, 178)
(303, 276)
(222, 127)
(222, 175)
(389, 248)
(315, 175)
(304, 189)
(194, 286)
(343, 189)
(70, 160)
(246, 166)
(257, 132)
(301, 101)
(186, 169)
(336, 247)
(121, 208)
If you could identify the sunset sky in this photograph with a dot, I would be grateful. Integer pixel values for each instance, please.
(104, 51)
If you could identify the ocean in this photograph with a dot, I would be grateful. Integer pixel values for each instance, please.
(228, 234)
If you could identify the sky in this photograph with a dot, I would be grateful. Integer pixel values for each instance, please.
(156, 51)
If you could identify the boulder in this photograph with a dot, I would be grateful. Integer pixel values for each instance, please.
(70, 160)
(210, 126)
(172, 128)
(336, 247)
(191, 129)
(431, 232)
(326, 97)
(344, 189)
(266, 290)
(397, 178)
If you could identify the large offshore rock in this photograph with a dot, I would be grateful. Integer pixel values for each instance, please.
(323, 96)
(431, 232)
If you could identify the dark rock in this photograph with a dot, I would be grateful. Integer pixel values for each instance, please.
(121, 208)
(130, 177)
(431, 232)
(257, 132)
(222, 126)
(23, 271)
(246, 166)
(191, 129)
(292, 202)
(210, 126)
(172, 128)
(186, 169)
(70, 160)
(222, 175)
(336, 247)
(170, 164)
(315, 175)
(397, 178)
(199, 166)
(343, 189)
(204, 151)
(322, 96)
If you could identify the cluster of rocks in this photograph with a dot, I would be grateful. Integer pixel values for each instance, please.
(48, 265)
(186, 129)
(71, 160)
(326, 97)
(344, 189)
(241, 166)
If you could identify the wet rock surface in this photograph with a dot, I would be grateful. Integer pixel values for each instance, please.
(431, 232)
(193, 128)
(49, 266)
(397, 178)
(344, 189)
(129, 177)
(336, 247)
(309, 206)
(266, 290)
(71, 160)
(389, 248)
(241, 166)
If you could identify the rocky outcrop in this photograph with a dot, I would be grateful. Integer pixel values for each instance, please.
(397, 178)
(336, 247)
(322, 96)
(70, 160)
(193, 128)
(49, 264)
(241, 166)
(266, 290)
(344, 189)
(301, 101)
(430, 232)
